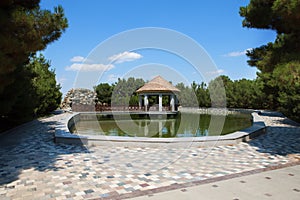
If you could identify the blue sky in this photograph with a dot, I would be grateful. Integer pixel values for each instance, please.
(215, 25)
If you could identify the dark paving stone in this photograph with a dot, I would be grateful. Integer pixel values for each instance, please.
(120, 184)
(89, 191)
(67, 182)
(144, 185)
(129, 189)
(268, 195)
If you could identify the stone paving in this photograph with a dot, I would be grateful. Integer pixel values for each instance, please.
(32, 166)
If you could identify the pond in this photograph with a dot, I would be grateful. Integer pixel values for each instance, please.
(181, 125)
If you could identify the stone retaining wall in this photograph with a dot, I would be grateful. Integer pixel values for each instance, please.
(79, 100)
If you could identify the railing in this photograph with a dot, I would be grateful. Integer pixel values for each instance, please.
(100, 108)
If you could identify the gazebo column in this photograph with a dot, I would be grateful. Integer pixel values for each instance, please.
(140, 102)
(160, 102)
(146, 102)
(172, 103)
(176, 102)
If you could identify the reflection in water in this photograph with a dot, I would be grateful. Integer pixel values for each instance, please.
(184, 125)
(151, 128)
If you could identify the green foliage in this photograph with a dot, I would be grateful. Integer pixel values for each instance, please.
(220, 91)
(245, 94)
(187, 96)
(104, 92)
(278, 62)
(47, 95)
(16, 104)
(287, 76)
(202, 94)
(124, 91)
(26, 29)
(36, 89)
(238, 94)
(217, 93)
(280, 15)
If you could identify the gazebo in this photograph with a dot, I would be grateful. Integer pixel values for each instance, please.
(159, 87)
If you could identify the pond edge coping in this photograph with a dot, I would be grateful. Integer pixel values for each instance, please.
(63, 135)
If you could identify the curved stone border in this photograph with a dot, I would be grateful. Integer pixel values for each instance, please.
(63, 135)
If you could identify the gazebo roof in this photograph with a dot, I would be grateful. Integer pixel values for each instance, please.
(157, 84)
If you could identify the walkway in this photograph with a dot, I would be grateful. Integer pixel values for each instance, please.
(32, 166)
(276, 184)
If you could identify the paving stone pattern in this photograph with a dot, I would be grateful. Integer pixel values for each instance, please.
(32, 166)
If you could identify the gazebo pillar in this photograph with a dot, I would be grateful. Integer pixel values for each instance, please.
(160, 102)
(172, 103)
(146, 102)
(140, 102)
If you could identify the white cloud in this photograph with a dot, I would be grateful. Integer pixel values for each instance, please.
(125, 57)
(237, 53)
(88, 67)
(216, 72)
(112, 78)
(77, 59)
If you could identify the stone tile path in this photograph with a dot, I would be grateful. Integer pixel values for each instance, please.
(275, 184)
(32, 166)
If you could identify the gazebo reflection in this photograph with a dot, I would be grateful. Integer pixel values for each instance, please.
(153, 127)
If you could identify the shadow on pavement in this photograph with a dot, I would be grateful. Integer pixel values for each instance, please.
(283, 139)
(31, 146)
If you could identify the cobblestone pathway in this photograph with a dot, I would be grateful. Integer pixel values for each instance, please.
(32, 166)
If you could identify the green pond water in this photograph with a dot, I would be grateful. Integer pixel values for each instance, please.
(182, 125)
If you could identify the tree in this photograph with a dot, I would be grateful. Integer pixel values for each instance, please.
(25, 29)
(186, 96)
(104, 92)
(202, 94)
(124, 91)
(245, 94)
(278, 62)
(242, 93)
(39, 92)
(47, 95)
(288, 77)
(217, 91)
(280, 15)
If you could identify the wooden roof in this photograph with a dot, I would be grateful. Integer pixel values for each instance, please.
(157, 84)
